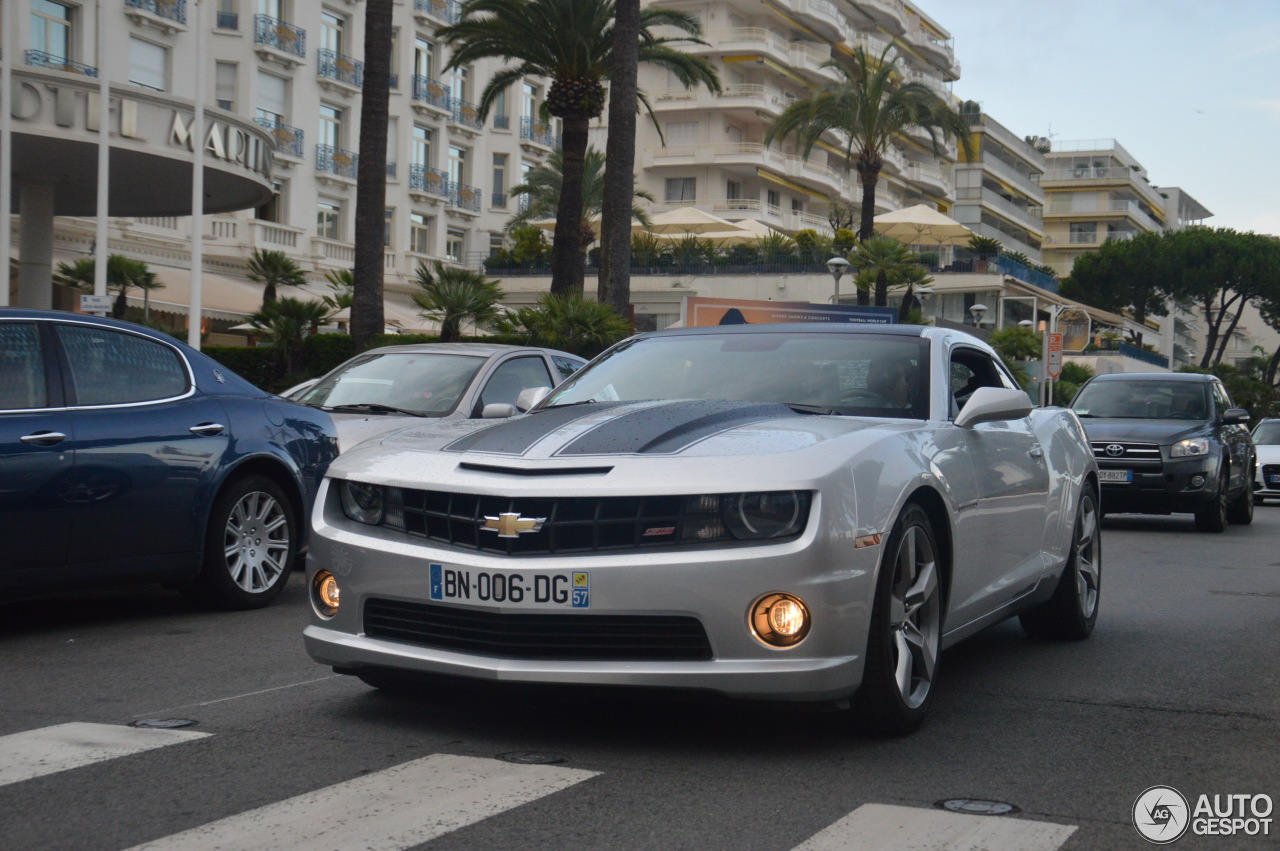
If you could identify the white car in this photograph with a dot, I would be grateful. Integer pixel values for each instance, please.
(794, 512)
(1266, 440)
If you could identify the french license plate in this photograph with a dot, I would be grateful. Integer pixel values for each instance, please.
(1115, 475)
(1275, 479)
(537, 590)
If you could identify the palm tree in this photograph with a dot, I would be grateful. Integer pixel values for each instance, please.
(881, 262)
(614, 276)
(341, 282)
(123, 274)
(274, 269)
(567, 322)
(286, 321)
(451, 296)
(542, 187)
(868, 107)
(367, 312)
(571, 43)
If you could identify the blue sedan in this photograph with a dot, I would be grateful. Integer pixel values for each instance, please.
(126, 456)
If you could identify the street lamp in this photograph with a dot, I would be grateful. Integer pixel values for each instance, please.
(837, 267)
(977, 311)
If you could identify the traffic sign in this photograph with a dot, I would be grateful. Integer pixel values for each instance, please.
(95, 303)
(1054, 363)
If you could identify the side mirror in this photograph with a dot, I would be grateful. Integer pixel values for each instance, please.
(498, 411)
(531, 396)
(1236, 416)
(991, 404)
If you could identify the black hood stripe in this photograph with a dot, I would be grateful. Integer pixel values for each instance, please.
(671, 428)
(518, 436)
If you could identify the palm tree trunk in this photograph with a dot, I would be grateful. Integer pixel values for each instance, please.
(367, 314)
(620, 157)
(867, 225)
(567, 267)
(121, 304)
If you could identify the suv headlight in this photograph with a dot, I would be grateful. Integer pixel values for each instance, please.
(1188, 448)
(363, 503)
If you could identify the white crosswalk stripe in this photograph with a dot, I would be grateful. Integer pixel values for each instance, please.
(881, 827)
(35, 753)
(390, 810)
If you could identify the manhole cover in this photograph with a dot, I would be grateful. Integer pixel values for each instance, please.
(531, 758)
(977, 807)
(162, 723)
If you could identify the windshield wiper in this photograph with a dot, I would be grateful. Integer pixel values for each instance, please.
(371, 408)
(809, 409)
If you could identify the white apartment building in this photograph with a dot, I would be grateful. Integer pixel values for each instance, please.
(998, 191)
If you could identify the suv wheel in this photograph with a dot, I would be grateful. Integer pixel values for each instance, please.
(1240, 511)
(1212, 516)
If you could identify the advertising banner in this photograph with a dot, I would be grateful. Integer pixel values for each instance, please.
(701, 312)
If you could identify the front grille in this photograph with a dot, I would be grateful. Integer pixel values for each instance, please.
(1269, 470)
(654, 638)
(1131, 451)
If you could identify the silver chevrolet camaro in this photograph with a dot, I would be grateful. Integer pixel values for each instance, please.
(791, 512)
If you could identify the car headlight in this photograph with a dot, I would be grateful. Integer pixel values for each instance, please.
(1188, 448)
(745, 516)
(363, 503)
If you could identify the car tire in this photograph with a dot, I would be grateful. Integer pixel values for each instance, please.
(1240, 511)
(1072, 611)
(1212, 516)
(250, 546)
(904, 643)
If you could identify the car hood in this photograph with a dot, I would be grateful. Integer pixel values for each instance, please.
(685, 428)
(1163, 432)
(357, 428)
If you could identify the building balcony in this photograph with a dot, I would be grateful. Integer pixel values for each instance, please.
(277, 41)
(537, 133)
(1027, 182)
(811, 62)
(759, 40)
(1028, 217)
(427, 183)
(822, 16)
(332, 252)
(1086, 239)
(1093, 208)
(465, 116)
(929, 80)
(443, 11)
(232, 236)
(890, 14)
(335, 162)
(928, 178)
(339, 73)
(465, 198)
(288, 139)
(168, 16)
(40, 59)
(870, 44)
(748, 98)
(430, 96)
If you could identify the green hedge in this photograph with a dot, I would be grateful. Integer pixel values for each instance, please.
(258, 365)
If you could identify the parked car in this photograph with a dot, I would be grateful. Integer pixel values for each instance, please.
(788, 512)
(1170, 442)
(394, 386)
(1266, 443)
(126, 456)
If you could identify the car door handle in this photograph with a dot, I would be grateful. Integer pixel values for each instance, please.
(207, 428)
(44, 438)
(1036, 453)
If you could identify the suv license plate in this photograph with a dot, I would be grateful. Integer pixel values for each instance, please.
(1121, 476)
(511, 588)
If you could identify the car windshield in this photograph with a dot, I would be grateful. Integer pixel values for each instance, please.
(1143, 400)
(856, 374)
(1267, 434)
(422, 383)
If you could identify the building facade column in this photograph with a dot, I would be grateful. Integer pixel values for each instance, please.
(35, 243)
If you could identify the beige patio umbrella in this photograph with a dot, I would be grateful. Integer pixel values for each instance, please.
(549, 225)
(689, 220)
(922, 225)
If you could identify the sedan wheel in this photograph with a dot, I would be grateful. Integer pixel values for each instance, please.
(250, 546)
(906, 629)
(1072, 611)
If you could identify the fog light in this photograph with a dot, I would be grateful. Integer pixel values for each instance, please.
(1197, 481)
(325, 593)
(780, 620)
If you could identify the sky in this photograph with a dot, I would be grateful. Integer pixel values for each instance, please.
(1190, 88)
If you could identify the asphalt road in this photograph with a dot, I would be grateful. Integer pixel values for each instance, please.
(1178, 686)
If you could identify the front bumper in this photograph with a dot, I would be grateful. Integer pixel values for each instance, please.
(1266, 481)
(1162, 487)
(714, 586)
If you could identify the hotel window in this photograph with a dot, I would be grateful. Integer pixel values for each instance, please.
(395, 58)
(331, 126)
(457, 165)
(148, 65)
(273, 98)
(797, 206)
(495, 243)
(393, 145)
(501, 116)
(423, 138)
(458, 84)
(229, 14)
(732, 190)
(422, 57)
(455, 245)
(420, 233)
(499, 180)
(272, 9)
(529, 101)
(329, 219)
(1084, 233)
(773, 199)
(224, 85)
(388, 226)
(51, 28)
(681, 189)
(682, 134)
(332, 30)
(273, 210)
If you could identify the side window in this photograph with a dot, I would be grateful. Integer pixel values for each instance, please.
(513, 376)
(971, 369)
(566, 366)
(115, 368)
(1221, 399)
(22, 383)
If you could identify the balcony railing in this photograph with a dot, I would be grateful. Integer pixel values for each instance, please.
(536, 131)
(288, 139)
(336, 161)
(228, 21)
(429, 91)
(279, 35)
(173, 10)
(465, 113)
(499, 200)
(40, 59)
(432, 181)
(464, 197)
(344, 69)
(448, 11)
(502, 122)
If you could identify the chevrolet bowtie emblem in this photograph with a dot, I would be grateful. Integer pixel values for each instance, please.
(511, 525)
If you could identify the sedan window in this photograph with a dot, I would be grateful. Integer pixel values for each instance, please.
(512, 377)
(422, 383)
(22, 383)
(115, 368)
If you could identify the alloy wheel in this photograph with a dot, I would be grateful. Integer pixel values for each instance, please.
(1087, 562)
(915, 616)
(256, 542)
